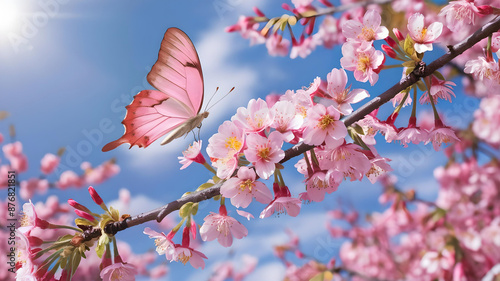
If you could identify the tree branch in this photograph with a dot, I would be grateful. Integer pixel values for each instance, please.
(419, 72)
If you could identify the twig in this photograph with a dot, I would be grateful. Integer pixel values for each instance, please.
(419, 72)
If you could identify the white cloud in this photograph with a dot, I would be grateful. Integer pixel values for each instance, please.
(269, 272)
(137, 205)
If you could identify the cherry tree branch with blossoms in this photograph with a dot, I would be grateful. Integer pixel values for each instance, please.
(412, 78)
(319, 124)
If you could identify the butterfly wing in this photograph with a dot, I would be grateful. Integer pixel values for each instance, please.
(178, 76)
(150, 115)
(178, 70)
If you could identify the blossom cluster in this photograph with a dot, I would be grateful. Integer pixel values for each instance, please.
(50, 166)
(49, 221)
(452, 238)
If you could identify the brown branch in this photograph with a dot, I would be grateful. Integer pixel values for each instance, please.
(419, 72)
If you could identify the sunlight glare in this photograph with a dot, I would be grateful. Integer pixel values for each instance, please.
(10, 15)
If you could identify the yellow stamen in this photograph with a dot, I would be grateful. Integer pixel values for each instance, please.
(363, 63)
(247, 185)
(183, 258)
(367, 33)
(233, 143)
(325, 121)
(264, 152)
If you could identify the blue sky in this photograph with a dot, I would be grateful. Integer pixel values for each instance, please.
(75, 69)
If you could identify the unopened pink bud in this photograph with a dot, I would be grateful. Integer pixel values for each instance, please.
(398, 34)
(95, 196)
(485, 10)
(258, 12)
(310, 27)
(78, 206)
(299, 254)
(286, 7)
(35, 241)
(391, 42)
(389, 51)
(185, 237)
(223, 210)
(193, 228)
(84, 215)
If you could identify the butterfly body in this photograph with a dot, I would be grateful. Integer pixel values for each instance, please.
(175, 106)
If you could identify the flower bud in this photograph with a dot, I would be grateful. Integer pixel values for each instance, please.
(258, 12)
(95, 196)
(398, 34)
(389, 51)
(84, 215)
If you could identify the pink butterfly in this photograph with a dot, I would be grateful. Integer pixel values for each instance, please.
(175, 108)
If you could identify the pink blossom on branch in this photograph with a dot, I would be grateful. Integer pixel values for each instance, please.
(224, 147)
(49, 163)
(422, 35)
(363, 60)
(367, 31)
(323, 125)
(192, 154)
(283, 203)
(243, 188)
(254, 118)
(459, 13)
(264, 153)
(222, 227)
(338, 95)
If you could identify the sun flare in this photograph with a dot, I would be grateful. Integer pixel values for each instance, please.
(10, 15)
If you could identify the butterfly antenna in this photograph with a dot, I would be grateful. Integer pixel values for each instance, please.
(222, 97)
(213, 95)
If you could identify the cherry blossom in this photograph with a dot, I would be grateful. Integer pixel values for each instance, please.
(277, 46)
(323, 126)
(368, 31)
(49, 163)
(222, 227)
(363, 60)
(286, 121)
(338, 95)
(459, 13)
(164, 244)
(441, 134)
(282, 203)
(264, 153)
(224, 147)
(244, 187)
(185, 254)
(253, 118)
(192, 154)
(119, 271)
(423, 36)
(440, 89)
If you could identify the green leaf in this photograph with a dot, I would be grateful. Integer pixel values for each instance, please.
(421, 86)
(101, 245)
(194, 209)
(358, 129)
(115, 214)
(409, 63)
(74, 264)
(438, 75)
(204, 186)
(185, 209)
(409, 45)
